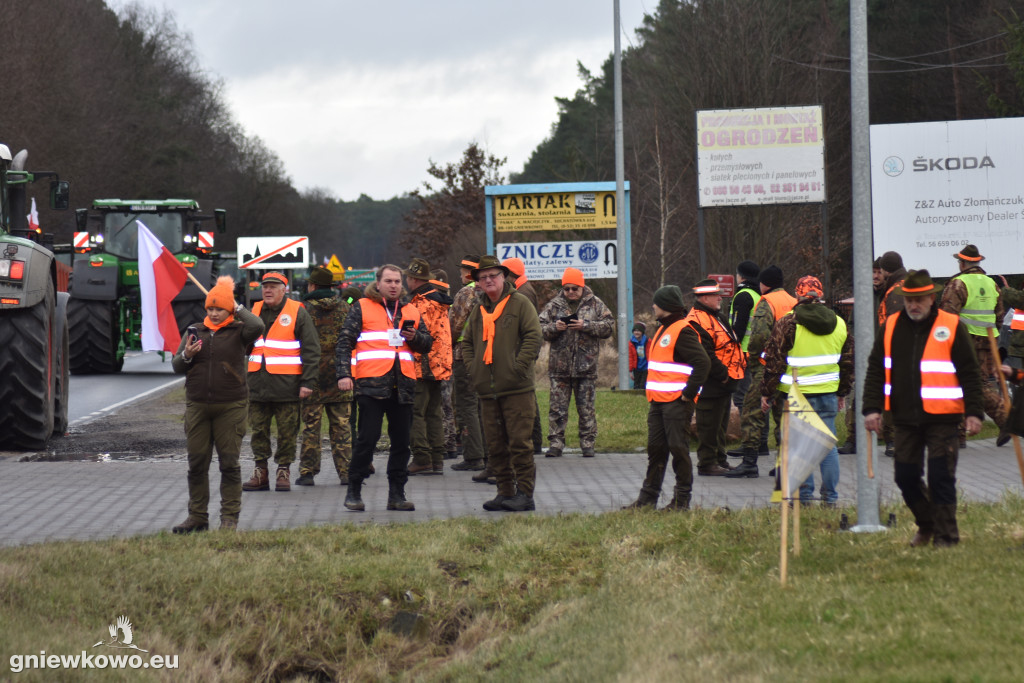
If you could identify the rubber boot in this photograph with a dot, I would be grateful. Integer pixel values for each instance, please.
(353, 499)
(646, 499)
(747, 468)
(396, 498)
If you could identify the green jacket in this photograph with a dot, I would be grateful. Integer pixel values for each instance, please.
(516, 346)
(264, 386)
(217, 373)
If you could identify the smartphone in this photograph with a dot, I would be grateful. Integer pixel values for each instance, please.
(568, 318)
(407, 324)
(192, 333)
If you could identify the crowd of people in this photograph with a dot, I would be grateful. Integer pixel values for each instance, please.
(456, 373)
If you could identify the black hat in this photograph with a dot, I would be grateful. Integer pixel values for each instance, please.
(918, 283)
(670, 298)
(470, 261)
(771, 277)
(418, 269)
(748, 270)
(641, 327)
(487, 262)
(321, 277)
(890, 261)
(969, 253)
(351, 294)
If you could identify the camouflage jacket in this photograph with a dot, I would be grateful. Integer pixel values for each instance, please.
(574, 354)
(761, 324)
(433, 308)
(458, 316)
(328, 312)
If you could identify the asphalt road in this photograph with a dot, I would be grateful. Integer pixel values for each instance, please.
(92, 396)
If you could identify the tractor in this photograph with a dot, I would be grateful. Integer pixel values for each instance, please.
(105, 310)
(33, 315)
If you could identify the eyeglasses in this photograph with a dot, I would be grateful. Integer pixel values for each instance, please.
(571, 288)
(490, 277)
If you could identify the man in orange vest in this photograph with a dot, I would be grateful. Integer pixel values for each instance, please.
(677, 365)
(283, 368)
(432, 369)
(727, 366)
(374, 356)
(924, 371)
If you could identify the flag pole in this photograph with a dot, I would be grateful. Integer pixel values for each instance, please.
(197, 283)
(1006, 402)
(783, 464)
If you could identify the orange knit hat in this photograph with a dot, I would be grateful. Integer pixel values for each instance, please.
(572, 276)
(222, 295)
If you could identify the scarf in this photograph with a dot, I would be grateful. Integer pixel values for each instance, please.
(210, 325)
(488, 335)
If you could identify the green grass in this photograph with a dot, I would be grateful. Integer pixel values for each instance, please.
(648, 596)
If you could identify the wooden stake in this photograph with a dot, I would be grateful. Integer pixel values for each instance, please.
(871, 453)
(198, 284)
(783, 460)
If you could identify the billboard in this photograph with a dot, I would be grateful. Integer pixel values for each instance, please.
(751, 157)
(554, 211)
(938, 186)
(548, 260)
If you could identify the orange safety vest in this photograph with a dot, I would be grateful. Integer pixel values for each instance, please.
(941, 393)
(780, 302)
(666, 378)
(372, 355)
(727, 349)
(1018, 320)
(278, 347)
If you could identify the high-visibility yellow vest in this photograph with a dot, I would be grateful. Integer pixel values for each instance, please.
(756, 296)
(816, 360)
(979, 311)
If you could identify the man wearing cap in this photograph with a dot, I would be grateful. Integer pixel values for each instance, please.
(741, 307)
(467, 404)
(924, 370)
(374, 356)
(283, 369)
(813, 345)
(432, 368)
(775, 302)
(677, 366)
(574, 322)
(976, 298)
(500, 345)
(517, 276)
(893, 273)
(328, 312)
(726, 369)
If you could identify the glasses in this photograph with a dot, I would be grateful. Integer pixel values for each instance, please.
(571, 288)
(490, 277)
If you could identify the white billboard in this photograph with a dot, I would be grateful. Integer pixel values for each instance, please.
(548, 260)
(760, 156)
(938, 186)
(273, 253)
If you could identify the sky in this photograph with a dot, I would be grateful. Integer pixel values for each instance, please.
(358, 97)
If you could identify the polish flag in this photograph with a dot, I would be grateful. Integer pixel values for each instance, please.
(33, 217)
(161, 278)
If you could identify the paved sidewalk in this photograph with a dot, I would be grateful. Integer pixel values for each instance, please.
(48, 501)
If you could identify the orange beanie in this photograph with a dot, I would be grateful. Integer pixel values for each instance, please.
(572, 276)
(223, 294)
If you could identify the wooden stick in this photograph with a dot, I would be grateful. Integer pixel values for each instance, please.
(871, 453)
(783, 459)
(198, 284)
(796, 527)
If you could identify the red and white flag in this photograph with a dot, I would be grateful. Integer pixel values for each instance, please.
(33, 217)
(161, 278)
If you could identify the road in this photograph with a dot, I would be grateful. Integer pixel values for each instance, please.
(92, 396)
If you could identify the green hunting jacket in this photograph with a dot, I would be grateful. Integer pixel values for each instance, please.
(516, 346)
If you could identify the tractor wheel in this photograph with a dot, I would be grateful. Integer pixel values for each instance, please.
(28, 360)
(60, 397)
(94, 340)
(188, 313)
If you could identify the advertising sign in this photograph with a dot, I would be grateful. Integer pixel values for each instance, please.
(554, 211)
(938, 186)
(748, 157)
(273, 253)
(548, 260)
(726, 283)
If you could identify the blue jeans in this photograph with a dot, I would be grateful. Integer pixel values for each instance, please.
(826, 406)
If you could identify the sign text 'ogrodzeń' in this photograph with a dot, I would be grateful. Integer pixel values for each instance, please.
(554, 211)
(760, 156)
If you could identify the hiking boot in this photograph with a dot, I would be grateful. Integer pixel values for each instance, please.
(420, 469)
(646, 499)
(438, 468)
(848, 447)
(890, 449)
(190, 525)
(228, 523)
(396, 498)
(353, 499)
(260, 480)
(483, 475)
(588, 452)
(678, 502)
(518, 503)
(495, 504)
(746, 469)
(736, 452)
(284, 479)
(343, 479)
(469, 465)
(921, 538)
(553, 453)
(715, 470)
(305, 480)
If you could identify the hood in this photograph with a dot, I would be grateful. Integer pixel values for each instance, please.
(817, 318)
(900, 274)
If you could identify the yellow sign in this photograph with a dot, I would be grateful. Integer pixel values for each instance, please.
(334, 265)
(554, 211)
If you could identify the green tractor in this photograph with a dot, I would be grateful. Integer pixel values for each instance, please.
(33, 316)
(105, 311)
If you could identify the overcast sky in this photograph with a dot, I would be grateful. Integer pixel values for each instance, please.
(358, 97)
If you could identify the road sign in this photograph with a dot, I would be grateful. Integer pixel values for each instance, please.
(726, 283)
(548, 260)
(360, 276)
(273, 253)
(334, 265)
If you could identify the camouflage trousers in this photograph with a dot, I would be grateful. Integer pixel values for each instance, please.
(286, 414)
(508, 422)
(991, 394)
(668, 433)
(753, 421)
(562, 389)
(427, 424)
(208, 425)
(339, 430)
(450, 442)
